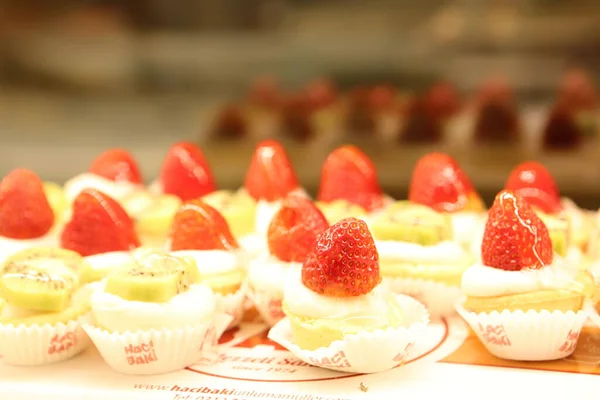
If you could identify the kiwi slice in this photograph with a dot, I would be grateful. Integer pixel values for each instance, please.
(412, 223)
(559, 229)
(38, 283)
(237, 208)
(153, 277)
(156, 218)
(57, 198)
(67, 258)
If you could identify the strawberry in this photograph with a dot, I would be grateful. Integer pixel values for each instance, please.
(198, 226)
(185, 172)
(344, 261)
(117, 165)
(439, 182)
(532, 181)
(294, 228)
(349, 174)
(271, 175)
(515, 237)
(25, 212)
(98, 225)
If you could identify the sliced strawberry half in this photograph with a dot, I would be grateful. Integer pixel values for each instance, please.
(294, 228)
(25, 212)
(344, 261)
(515, 237)
(439, 182)
(98, 225)
(533, 182)
(117, 165)
(349, 174)
(185, 172)
(198, 226)
(271, 175)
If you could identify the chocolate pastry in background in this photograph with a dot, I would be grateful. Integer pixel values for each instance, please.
(576, 91)
(359, 121)
(420, 125)
(295, 121)
(372, 109)
(496, 116)
(230, 123)
(309, 111)
(443, 101)
(263, 108)
(561, 131)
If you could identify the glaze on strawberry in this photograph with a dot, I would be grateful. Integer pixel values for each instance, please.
(198, 226)
(344, 261)
(515, 237)
(294, 228)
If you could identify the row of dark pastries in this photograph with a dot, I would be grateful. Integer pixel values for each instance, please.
(491, 115)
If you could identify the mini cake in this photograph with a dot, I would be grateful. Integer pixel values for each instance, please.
(237, 207)
(336, 305)
(27, 218)
(269, 179)
(101, 231)
(184, 175)
(349, 185)
(200, 232)
(496, 118)
(291, 235)
(153, 317)
(438, 182)
(532, 181)
(417, 255)
(114, 172)
(420, 124)
(562, 131)
(522, 301)
(577, 92)
(45, 302)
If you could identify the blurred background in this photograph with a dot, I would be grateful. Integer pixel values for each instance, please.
(493, 82)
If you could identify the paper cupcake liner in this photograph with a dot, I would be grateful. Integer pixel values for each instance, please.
(42, 344)
(526, 336)
(232, 304)
(267, 305)
(439, 298)
(364, 352)
(158, 351)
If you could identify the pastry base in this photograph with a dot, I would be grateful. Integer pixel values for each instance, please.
(314, 333)
(449, 274)
(225, 284)
(552, 300)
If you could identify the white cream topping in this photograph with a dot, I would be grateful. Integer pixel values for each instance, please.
(106, 262)
(269, 274)
(302, 301)
(442, 253)
(467, 225)
(254, 244)
(211, 262)
(195, 306)
(483, 281)
(116, 190)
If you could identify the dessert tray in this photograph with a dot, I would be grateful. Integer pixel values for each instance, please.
(250, 366)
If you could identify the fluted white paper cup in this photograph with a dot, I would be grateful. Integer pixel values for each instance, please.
(42, 344)
(439, 298)
(363, 352)
(232, 304)
(526, 336)
(267, 304)
(158, 351)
